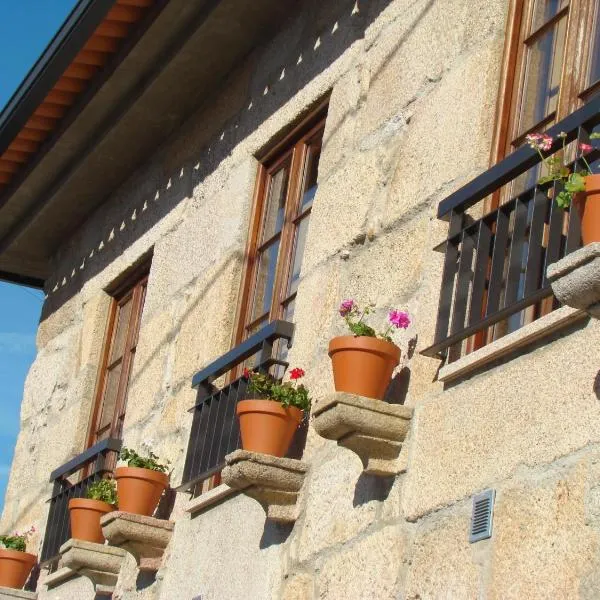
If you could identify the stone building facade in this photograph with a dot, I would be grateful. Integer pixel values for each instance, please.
(412, 94)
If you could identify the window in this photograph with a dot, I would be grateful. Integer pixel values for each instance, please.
(551, 69)
(286, 186)
(552, 66)
(119, 352)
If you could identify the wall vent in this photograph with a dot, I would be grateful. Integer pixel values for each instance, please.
(481, 519)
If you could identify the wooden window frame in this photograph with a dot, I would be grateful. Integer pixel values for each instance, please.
(294, 147)
(133, 286)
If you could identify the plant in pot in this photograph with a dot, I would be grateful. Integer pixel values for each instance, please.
(85, 513)
(141, 483)
(582, 188)
(363, 362)
(15, 562)
(269, 421)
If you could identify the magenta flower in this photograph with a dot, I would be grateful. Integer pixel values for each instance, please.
(346, 307)
(586, 147)
(539, 141)
(399, 319)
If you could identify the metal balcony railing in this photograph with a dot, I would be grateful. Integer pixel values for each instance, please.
(215, 430)
(86, 468)
(495, 265)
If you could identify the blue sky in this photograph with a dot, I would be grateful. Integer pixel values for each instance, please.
(26, 28)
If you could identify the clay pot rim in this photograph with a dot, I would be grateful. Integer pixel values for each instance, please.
(363, 342)
(592, 183)
(141, 473)
(18, 555)
(91, 504)
(265, 405)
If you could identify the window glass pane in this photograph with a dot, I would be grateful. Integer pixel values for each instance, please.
(265, 280)
(110, 395)
(121, 324)
(299, 245)
(275, 203)
(310, 178)
(542, 76)
(544, 10)
(595, 70)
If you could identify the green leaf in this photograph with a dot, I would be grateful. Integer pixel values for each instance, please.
(361, 329)
(563, 199)
(103, 490)
(575, 183)
(595, 136)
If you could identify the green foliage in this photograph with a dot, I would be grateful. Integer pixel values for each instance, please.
(595, 136)
(133, 459)
(360, 329)
(104, 490)
(13, 542)
(287, 393)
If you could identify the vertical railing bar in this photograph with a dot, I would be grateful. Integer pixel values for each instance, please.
(210, 430)
(449, 271)
(482, 257)
(533, 270)
(218, 430)
(463, 280)
(555, 232)
(496, 280)
(205, 409)
(515, 260)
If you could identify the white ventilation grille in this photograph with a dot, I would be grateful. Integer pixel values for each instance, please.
(481, 519)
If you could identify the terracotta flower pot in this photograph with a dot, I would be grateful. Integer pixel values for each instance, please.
(85, 517)
(363, 365)
(139, 490)
(266, 426)
(15, 567)
(588, 207)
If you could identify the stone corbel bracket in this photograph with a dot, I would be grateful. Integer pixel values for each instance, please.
(575, 279)
(373, 429)
(144, 537)
(11, 594)
(101, 564)
(274, 482)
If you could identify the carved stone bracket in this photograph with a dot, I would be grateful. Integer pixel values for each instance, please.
(11, 594)
(373, 429)
(144, 537)
(575, 279)
(274, 482)
(100, 563)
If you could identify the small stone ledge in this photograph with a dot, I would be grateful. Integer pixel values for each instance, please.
(274, 482)
(100, 563)
(11, 594)
(575, 279)
(209, 498)
(373, 429)
(144, 537)
(510, 343)
(60, 576)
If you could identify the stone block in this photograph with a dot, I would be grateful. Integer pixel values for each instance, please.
(443, 563)
(542, 546)
(144, 537)
(274, 482)
(11, 594)
(575, 279)
(100, 563)
(371, 567)
(373, 429)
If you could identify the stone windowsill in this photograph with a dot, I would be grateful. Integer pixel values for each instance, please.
(528, 334)
(210, 498)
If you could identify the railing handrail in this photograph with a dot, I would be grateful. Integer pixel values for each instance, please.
(274, 330)
(81, 460)
(518, 162)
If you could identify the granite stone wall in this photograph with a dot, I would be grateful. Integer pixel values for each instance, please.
(413, 87)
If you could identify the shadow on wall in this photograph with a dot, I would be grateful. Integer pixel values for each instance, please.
(158, 192)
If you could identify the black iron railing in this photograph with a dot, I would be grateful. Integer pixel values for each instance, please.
(86, 468)
(215, 431)
(495, 265)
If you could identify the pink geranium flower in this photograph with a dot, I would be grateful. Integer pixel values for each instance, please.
(346, 307)
(586, 147)
(399, 319)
